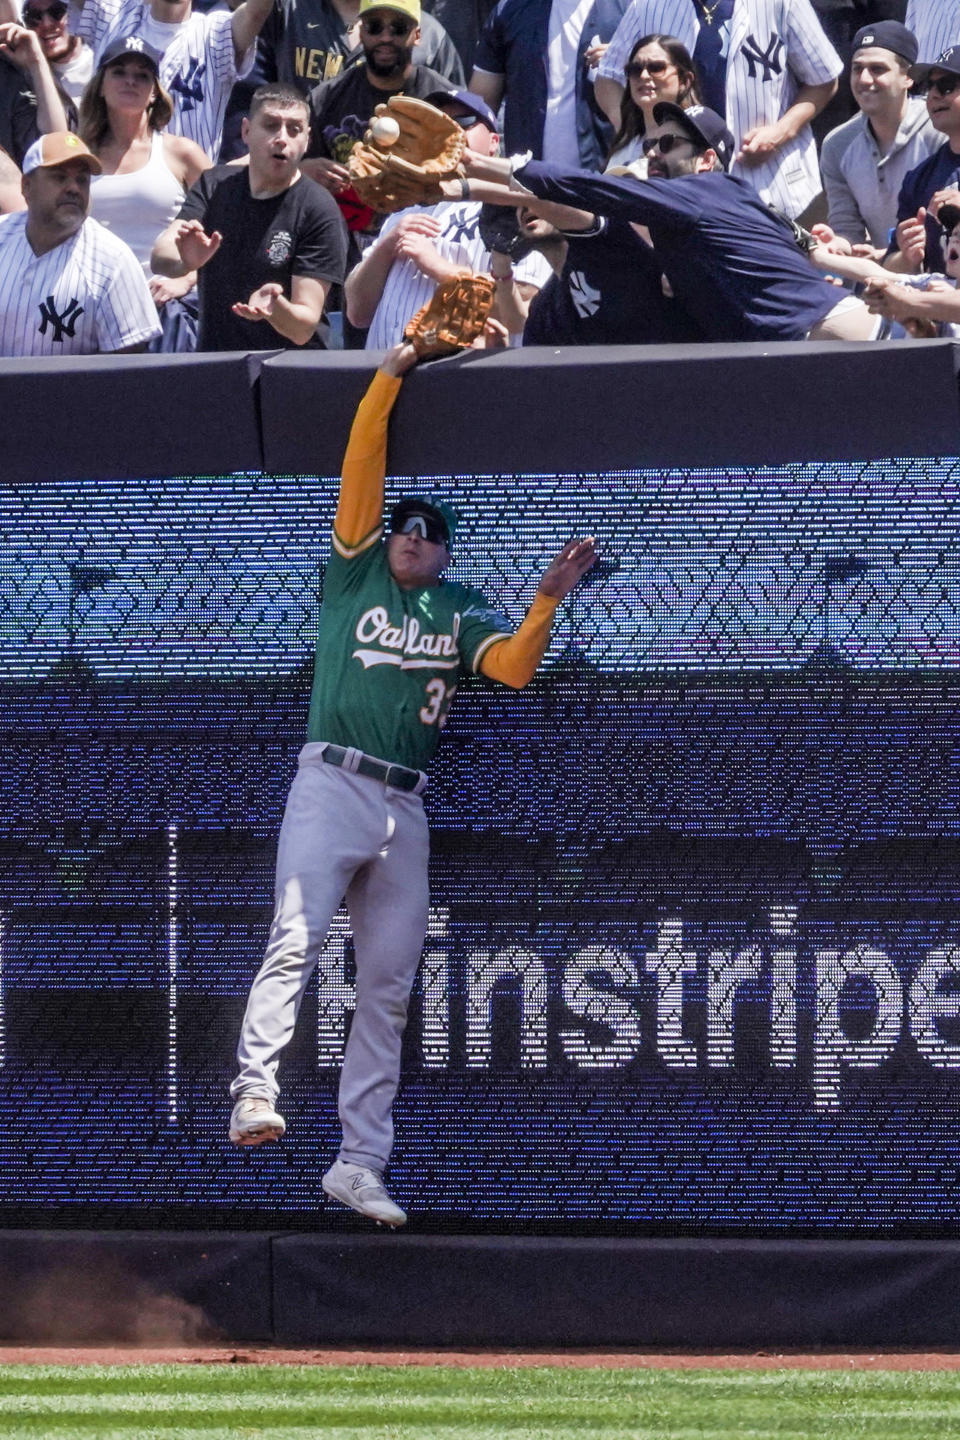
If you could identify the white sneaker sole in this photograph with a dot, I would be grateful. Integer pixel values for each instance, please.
(257, 1136)
(346, 1198)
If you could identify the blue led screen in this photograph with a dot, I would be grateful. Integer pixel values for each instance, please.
(694, 959)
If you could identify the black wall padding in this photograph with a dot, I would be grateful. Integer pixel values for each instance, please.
(587, 410)
(506, 1291)
(114, 415)
(534, 410)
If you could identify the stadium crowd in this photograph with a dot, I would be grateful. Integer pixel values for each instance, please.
(173, 172)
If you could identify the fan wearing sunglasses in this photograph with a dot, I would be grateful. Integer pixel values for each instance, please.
(68, 57)
(341, 108)
(765, 65)
(733, 264)
(917, 243)
(659, 68)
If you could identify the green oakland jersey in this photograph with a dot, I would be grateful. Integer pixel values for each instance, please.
(388, 660)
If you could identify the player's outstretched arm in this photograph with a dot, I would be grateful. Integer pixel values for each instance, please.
(514, 661)
(360, 508)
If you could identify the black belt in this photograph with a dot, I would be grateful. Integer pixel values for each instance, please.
(396, 775)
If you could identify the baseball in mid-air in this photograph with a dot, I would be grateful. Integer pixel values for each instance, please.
(385, 130)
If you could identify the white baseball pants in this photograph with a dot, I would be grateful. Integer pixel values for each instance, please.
(343, 835)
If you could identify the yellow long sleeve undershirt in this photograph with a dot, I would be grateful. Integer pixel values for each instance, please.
(359, 516)
(513, 660)
(359, 520)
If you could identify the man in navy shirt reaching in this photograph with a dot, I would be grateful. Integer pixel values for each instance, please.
(731, 262)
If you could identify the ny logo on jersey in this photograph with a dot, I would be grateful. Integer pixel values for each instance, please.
(189, 85)
(462, 225)
(586, 300)
(770, 58)
(64, 324)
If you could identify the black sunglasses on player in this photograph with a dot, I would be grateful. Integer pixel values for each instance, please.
(665, 143)
(32, 18)
(393, 27)
(945, 85)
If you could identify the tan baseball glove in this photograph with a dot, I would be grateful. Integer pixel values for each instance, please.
(454, 318)
(428, 149)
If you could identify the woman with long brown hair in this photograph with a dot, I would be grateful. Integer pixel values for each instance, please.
(146, 172)
(659, 68)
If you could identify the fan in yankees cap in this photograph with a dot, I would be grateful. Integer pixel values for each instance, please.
(705, 127)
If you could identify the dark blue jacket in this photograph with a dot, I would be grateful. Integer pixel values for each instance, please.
(514, 44)
(732, 262)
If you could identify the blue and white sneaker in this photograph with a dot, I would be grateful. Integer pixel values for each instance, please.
(363, 1190)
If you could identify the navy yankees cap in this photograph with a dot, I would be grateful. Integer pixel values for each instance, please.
(438, 519)
(949, 217)
(703, 124)
(949, 61)
(888, 35)
(131, 45)
(473, 103)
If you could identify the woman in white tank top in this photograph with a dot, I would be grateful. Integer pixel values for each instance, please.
(146, 172)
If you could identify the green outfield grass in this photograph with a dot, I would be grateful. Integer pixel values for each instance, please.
(223, 1402)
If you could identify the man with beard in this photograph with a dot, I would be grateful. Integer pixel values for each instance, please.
(341, 109)
(731, 262)
(67, 286)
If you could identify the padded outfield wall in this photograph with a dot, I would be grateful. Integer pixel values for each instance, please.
(694, 959)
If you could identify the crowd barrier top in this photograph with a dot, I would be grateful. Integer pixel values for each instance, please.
(520, 411)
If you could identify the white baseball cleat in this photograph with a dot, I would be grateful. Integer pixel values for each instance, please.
(254, 1120)
(362, 1189)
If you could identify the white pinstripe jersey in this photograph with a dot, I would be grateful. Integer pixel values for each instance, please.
(774, 47)
(936, 24)
(459, 242)
(83, 297)
(199, 64)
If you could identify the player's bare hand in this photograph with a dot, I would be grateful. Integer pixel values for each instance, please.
(328, 173)
(261, 304)
(594, 54)
(574, 560)
(912, 239)
(417, 225)
(399, 359)
(760, 143)
(21, 46)
(196, 247)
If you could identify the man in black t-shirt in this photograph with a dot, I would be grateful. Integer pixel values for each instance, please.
(341, 109)
(267, 242)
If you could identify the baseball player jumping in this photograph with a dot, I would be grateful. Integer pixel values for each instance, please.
(394, 638)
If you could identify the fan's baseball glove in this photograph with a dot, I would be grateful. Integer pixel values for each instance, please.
(390, 174)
